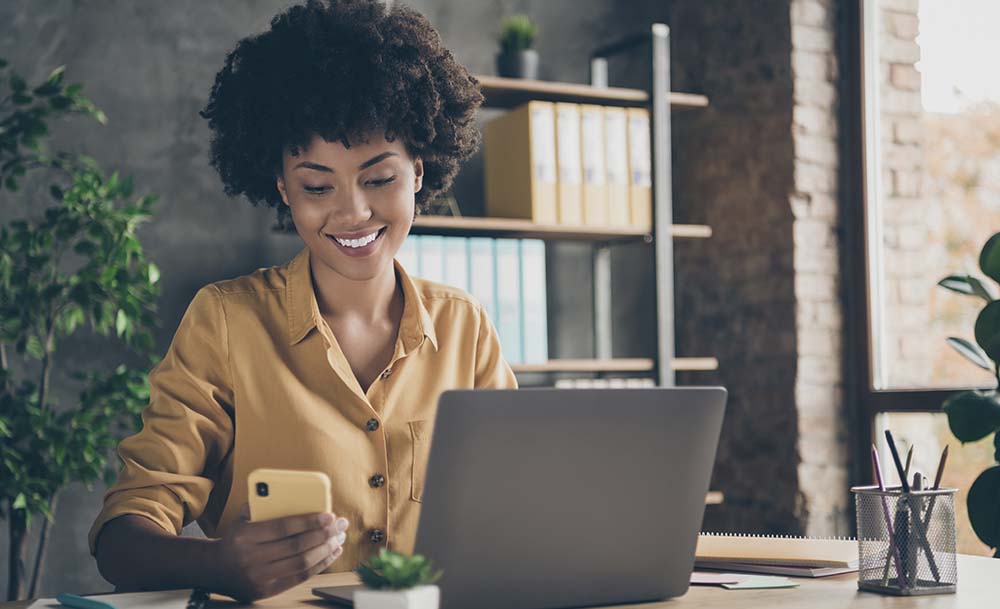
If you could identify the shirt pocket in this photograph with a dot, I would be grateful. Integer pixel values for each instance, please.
(420, 447)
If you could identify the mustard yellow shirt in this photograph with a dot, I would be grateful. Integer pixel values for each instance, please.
(254, 377)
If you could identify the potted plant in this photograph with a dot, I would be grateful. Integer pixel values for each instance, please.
(68, 263)
(517, 57)
(974, 415)
(396, 581)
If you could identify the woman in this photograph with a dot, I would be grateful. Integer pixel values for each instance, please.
(348, 117)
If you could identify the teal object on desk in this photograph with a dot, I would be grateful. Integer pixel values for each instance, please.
(82, 602)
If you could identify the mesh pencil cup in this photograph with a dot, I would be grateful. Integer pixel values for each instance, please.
(906, 541)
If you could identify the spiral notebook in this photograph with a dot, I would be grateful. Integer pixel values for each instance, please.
(803, 556)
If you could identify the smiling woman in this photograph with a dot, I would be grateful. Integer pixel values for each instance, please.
(346, 117)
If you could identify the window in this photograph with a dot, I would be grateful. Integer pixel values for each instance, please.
(923, 119)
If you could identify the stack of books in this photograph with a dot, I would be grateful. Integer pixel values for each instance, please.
(570, 164)
(506, 275)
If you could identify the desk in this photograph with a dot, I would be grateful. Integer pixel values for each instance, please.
(978, 585)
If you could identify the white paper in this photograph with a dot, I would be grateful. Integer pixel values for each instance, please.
(160, 599)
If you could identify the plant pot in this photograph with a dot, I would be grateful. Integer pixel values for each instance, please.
(421, 597)
(518, 64)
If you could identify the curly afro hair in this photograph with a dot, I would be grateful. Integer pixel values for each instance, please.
(340, 69)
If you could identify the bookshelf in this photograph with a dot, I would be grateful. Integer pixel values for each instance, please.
(505, 93)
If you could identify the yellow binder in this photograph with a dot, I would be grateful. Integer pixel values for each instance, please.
(519, 155)
(595, 191)
(616, 166)
(640, 169)
(570, 182)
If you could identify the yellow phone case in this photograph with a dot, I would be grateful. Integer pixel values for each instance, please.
(287, 492)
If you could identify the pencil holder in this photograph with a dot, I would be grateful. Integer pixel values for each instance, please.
(906, 541)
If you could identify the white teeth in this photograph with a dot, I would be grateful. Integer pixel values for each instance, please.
(363, 241)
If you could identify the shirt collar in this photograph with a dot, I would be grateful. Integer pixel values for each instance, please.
(303, 311)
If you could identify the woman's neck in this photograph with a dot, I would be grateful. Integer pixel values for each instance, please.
(370, 301)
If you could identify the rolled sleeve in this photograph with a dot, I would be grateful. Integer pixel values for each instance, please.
(492, 370)
(170, 466)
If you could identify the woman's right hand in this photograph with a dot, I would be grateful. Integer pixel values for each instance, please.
(260, 559)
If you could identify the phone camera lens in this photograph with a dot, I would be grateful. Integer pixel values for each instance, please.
(262, 489)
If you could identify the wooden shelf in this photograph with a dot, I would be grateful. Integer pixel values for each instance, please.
(468, 226)
(509, 92)
(638, 364)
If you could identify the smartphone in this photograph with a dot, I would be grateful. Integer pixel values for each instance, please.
(274, 493)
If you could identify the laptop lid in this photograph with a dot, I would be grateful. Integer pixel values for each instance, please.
(542, 498)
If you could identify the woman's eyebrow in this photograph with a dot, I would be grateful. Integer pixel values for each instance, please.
(375, 159)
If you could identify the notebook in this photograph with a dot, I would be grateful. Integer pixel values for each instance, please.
(758, 551)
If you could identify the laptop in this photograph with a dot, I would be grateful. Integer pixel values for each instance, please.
(544, 498)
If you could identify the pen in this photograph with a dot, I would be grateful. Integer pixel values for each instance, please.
(82, 602)
(937, 485)
(899, 464)
(893, 548)
(909, 459)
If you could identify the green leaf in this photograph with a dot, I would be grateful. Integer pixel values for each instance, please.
(983, 504)
(20, 502)
(989, 258)
(988, 330)
(154, 273)
(121, 322)
(973, 415)
(34, 347)
(971, 352)
(966, 284)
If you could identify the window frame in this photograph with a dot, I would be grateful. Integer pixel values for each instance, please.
(863, 238)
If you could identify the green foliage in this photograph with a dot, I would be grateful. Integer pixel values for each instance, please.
(974, 415)
(73, 264)
(394, 571)
(517, 33)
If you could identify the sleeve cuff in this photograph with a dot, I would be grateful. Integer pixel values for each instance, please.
(152, 509)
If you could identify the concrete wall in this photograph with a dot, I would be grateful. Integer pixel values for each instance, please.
(743, 295)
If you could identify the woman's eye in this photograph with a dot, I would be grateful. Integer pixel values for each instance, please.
(382, 182)
(316, 190)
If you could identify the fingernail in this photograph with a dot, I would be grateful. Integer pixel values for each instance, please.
(341, 524)
(325, 518)
(341, 538)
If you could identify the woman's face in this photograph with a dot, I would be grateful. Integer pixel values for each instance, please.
(353, 194)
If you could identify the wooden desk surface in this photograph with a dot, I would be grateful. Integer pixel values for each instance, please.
(978, 585)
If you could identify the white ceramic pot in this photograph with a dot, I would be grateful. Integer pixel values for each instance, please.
(421, 597)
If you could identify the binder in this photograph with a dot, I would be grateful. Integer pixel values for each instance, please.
(640, 169)
(616, 166)
(568, 160)
(534, 317)
(409, 256)
(509, 300)
(482, 274)
(456, 262)
(432, 258)
(519, 156)
(595, 192)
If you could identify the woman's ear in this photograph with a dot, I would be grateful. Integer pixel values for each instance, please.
(418, 170)
(281, 189)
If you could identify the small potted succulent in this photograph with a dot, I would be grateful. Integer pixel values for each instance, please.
(396, 581)
(517, 57)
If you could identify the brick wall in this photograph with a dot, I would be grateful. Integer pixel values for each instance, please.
(760, 166)
(904, 224)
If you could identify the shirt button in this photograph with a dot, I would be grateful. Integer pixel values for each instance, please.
(372, 424)
(385, 373)
(376, 535)
(376, 481)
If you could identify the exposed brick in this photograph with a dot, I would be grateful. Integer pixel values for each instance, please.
(815, 286)
(896, 101)
(906, 6)
(904, 76)
(814, 121)
(813, 66)
(894, 49)
(815, 93)
(903, 157)
(812, 38)
(902, 25)
(820, 149)
(907, 131)
(810, 12)
(906, 183)
(811, 177)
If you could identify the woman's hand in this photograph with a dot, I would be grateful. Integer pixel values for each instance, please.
(260, 559)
